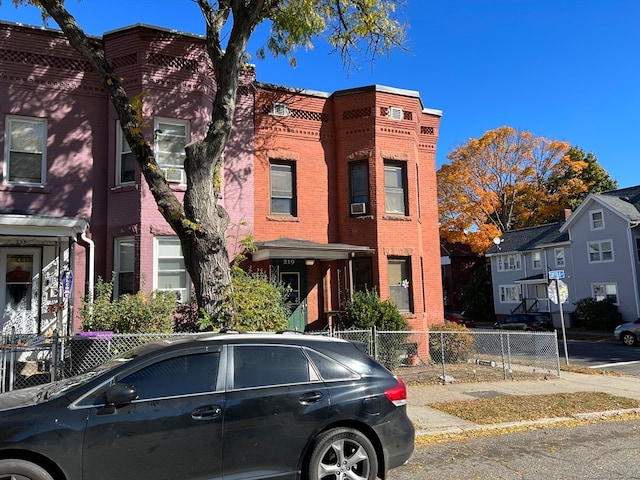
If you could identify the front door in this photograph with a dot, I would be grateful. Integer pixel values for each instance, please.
(19, 287)
(294, 276)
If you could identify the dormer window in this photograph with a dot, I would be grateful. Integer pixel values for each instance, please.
(280, 110)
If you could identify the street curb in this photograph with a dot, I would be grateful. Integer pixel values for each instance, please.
(448, 431)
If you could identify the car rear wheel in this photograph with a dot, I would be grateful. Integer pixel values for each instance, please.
(343, 454)
(22, 470)
(629, 339)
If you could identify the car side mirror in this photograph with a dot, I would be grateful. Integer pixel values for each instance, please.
(120, 394)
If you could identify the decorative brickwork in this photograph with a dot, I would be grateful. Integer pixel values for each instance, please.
(42, 60)
(364, 112)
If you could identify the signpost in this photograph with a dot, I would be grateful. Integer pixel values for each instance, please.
(559, 293)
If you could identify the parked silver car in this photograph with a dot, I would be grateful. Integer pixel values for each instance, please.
(628, 333)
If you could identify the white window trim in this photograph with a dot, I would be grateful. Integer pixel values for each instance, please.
(172, 168)
(599, 243)
(186, 292)
(517, 262)
(605, 284)
(502, 288)
(402, 168)
(292, 168)
(533, 260)
(119, 152)
(555, 255)
(591, 225)
(7, 149)
(116, 262)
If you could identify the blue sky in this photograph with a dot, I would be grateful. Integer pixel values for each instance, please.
(563, 69)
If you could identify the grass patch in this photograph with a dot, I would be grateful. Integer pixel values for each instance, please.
(440, 438)
(514, 408)
(589, 371)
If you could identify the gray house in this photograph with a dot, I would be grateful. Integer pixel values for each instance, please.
(597, 249)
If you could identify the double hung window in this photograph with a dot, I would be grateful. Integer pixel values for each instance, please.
(283, 188)
(395, 191)
(171, 136)
(25, 150)
(125, 160)
(170, 271)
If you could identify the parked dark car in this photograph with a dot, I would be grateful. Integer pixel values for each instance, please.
(628, 333)
(460, 319)
(525, 321)
(241, 406)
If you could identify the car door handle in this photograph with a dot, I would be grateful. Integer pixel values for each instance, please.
(311, 397)
(206, 413)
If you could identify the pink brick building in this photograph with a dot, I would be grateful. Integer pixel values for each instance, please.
(338, 189)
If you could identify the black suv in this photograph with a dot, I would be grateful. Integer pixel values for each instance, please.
(525, 321)
(215, 406)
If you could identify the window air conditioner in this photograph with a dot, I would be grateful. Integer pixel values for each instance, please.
(358, 208)
(174, 175)
(280, 110)
(396, 113)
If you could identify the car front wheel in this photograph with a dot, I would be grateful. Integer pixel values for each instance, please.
(343, 454)
(629, 339)
(22, 470)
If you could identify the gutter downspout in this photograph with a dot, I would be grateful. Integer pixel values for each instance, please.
(634, 265)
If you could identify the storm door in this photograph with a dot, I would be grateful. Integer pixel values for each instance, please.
(19, 275)
(294, 276)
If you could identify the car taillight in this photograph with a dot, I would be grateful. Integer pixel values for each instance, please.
(397, 394)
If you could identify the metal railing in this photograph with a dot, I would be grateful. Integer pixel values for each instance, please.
(417, 357)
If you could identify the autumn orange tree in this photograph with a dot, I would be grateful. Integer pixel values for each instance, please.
(509, 179)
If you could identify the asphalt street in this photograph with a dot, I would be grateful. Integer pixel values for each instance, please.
(606, 450)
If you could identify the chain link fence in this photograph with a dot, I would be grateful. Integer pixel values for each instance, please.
(462, 356)
(417, 357)
(30, 360)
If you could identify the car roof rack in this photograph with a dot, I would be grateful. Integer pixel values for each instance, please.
(229, 330)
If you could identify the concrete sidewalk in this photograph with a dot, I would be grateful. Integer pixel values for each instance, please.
(430, 421)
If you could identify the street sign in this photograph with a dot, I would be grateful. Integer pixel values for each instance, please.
(555, 287)
(554, 274)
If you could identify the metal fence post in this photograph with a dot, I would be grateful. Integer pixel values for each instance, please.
(12, 359)
(444, 368)
(3, 364)
(504, 371)
(375, 343)
(54, 356)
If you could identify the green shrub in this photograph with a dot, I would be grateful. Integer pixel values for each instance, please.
(259, 304)
(137, 313)
(365, 310)
(451, 341)
(597, 315)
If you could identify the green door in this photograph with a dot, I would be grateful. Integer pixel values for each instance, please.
(296, 279)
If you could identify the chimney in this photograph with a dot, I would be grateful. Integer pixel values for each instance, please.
(567, 214)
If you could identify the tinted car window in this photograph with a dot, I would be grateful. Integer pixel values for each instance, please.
(328, 368)
(188, 374)
(254, 365)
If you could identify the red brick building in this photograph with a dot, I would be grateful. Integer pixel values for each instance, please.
(338, 190)
(345, 197)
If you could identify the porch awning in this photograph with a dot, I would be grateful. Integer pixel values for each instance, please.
(534, 279)
(304, 249)
(40, 225)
